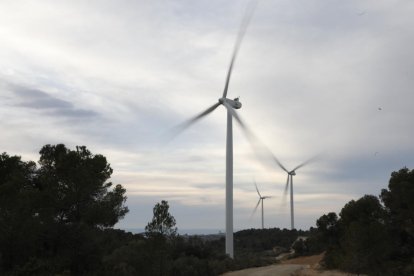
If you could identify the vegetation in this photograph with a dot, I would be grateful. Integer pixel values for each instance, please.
(163, 252)
(372, 235)
(57, 218)
(53, 218)
(163, 223)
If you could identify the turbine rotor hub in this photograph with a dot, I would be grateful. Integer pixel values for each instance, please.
(292, 173)
(236, 104)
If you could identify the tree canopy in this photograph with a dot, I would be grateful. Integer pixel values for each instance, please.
(74, 184)
(50, 214)
(162, 223)
(372, 235)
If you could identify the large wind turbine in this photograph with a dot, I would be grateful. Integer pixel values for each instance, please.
(289, 182)
(261, 198)
(230, 105)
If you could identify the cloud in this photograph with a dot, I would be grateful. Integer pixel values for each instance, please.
(44, 102)
(310, 75)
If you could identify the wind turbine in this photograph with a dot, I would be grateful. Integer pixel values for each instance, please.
(289, 180)
(230, 105)
(261, 198)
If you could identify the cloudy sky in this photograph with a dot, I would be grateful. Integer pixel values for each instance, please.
(315, 77)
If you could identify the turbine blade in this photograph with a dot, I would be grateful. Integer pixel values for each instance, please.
(243, 27)
(285, 191)
(254, 211)
(257, 189)
(279, 163)
(247, 132)
(260, 149)
(313, 159)
(287, 186)
(180, 128)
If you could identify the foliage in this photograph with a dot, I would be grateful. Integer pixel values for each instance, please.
(364, 242)
(17, 212)
(69, 207)
(265, 239)
(358, 241)
(52, 218)
(73, 184)
(56, 219)
(399, 204)
(370, 237)
(188, 255)
(163, 223)
(327, 224)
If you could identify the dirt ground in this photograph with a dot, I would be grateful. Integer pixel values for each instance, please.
(311, 267)
(279, 270)
(302, 266)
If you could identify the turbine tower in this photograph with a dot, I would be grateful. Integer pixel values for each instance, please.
(230, 105)
(261, 198)
(289, 182)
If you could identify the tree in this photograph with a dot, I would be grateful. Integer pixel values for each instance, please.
(324, 237)
(163, 223)
(328, 229)
(54, 217)
(363, 242)
(398, 200)
(327, 223)
(17, 212)
(367, 208)
(76, 200)
(399, 205)
(74, 183)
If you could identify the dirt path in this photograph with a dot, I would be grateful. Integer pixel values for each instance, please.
(302, 266)
(279, 269)
(312, 261)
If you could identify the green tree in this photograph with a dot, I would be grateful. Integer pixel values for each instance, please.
(322, 238)
(17, 212)
(363, 242)
(399, 204)
(75, 187)
(328, 229)
(163, 223)
(327, 223)
(161, 233)
(76, 199)
(53, 218)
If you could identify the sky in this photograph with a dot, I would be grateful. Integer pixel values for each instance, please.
(331, 79)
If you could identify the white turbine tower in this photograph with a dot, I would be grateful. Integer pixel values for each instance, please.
(289, 182)
(261, 198)
(230, 105)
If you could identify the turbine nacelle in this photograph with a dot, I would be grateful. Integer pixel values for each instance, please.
(292, 173)
(236, 104)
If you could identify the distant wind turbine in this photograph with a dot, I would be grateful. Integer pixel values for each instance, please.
(290, 175)
(261, 198)
(230, 105)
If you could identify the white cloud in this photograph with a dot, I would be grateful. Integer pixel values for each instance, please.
(311, 75)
